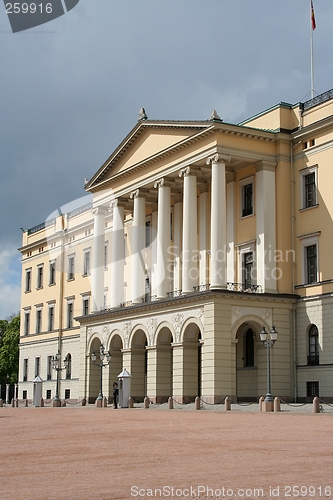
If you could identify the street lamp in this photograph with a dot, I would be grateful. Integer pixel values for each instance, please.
(55, 362)
(268, 339)
(102, 364)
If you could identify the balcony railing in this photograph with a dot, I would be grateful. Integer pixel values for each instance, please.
(175, 293)
(244, 287)
(313, 359)
(201, 288)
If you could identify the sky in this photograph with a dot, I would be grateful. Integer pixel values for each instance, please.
(72, 89)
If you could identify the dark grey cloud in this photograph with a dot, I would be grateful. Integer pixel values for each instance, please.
(72, 89)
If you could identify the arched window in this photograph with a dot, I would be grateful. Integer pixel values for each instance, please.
(69, 366)
(313, 357)
(249, 348)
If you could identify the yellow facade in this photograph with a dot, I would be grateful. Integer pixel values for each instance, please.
(236, 224)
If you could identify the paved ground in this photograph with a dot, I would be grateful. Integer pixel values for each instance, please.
(87, 453)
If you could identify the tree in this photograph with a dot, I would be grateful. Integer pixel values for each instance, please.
(9, 350)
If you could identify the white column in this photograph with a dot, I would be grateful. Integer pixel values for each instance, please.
(218, 233)
(118, 255)
(163, 238)
(177, 240)
(154, 253)
(203, 207)
(266, 226)
(97, 268)
(190, 262)
(231, 227)
(138, 246)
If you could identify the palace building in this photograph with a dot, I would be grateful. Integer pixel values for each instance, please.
(198, 235)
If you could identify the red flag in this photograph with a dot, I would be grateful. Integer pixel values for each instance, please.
(313, 19)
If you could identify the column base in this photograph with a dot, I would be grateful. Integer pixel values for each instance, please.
(56, 403)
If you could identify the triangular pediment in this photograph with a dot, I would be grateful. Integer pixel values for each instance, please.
(147, 141)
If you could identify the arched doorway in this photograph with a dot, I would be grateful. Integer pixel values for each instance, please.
(192, 364)
(247, 362)
(164, 366)
(116, 365)
(139, 365)
(94, 373)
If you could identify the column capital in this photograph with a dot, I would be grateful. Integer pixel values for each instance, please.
(99, 210)
(270, 166)
(118, 202)
(139, 193)
(218, 158)
(163, 182)
(190, 170)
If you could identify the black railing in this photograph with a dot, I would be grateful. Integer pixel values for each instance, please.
(201, 288)
(41, 226)
(318, 100)
(175, 293)
(313, 359)
(244, 287)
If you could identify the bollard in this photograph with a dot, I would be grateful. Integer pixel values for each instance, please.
(261, 400)
(316, 405)
(26, 403)
(227, 404)
(105, 402)
(197, 403)
(130, 402)
(16, 403)
(12, 403)
(146, 402)
(63, 403)
(84, 402)
(1, 403)
(41, 402)
(170, 403)
(277, 405)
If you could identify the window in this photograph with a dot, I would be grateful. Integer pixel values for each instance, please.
(71, 275)
(310, 190)
(148, 233)
(67, 393)
(38, 320)
(70, 309)
(106, 251)
(312, 389)
(48, 393)
(40, 276)
(313, 358)
(247, 200)
(51, 318)
(25, 369)
(308, 182)
(52, 273)
(37, 366)
(247, 269)
(28, 280)
(86, 262)
(147, 286)
(249, 348)
(85, 306)
(24, 394)
(69, 367)
(311, 264)
(27, 323)
(49, 367)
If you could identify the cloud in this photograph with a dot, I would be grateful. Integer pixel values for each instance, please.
(10, 281)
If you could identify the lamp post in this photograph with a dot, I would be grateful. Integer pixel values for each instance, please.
(268, 339)
(55, 362)
(102, 364)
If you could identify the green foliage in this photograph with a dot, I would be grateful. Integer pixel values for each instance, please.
(9, 349)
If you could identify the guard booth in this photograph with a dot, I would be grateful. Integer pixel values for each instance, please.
(38, 390)
(124, 388)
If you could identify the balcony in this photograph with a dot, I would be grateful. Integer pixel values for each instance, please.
(244, 287)
(313, 359)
